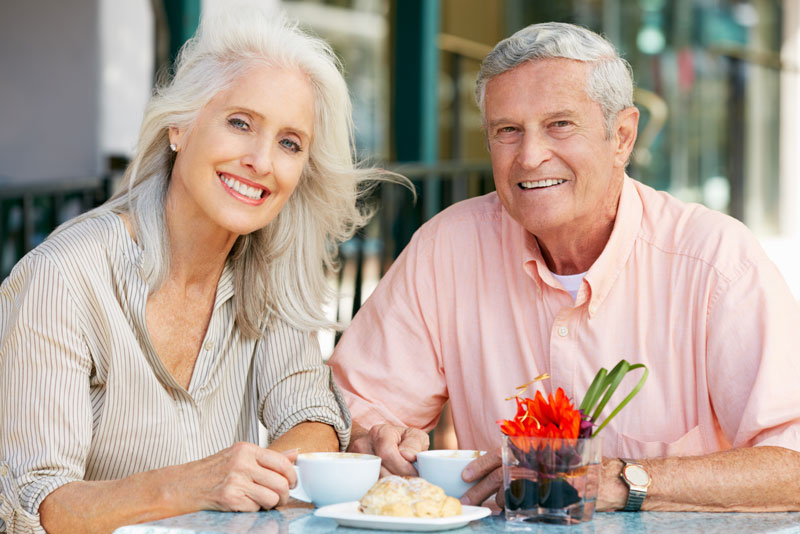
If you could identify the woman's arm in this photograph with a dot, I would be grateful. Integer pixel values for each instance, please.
(307, 437)
(241, 478)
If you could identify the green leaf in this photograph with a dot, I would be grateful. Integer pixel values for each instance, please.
(608, 383)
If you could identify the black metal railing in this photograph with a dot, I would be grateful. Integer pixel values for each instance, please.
(29, 211)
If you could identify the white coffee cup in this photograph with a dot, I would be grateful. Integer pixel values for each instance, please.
(335, 477)
(443, 468)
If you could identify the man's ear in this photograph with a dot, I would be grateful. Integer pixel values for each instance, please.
(624, 135)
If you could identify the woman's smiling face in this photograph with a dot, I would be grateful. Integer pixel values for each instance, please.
(241, 160)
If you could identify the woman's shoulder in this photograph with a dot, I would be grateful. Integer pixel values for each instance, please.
(87, 248)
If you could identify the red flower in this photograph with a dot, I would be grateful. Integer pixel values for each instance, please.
(555, 417)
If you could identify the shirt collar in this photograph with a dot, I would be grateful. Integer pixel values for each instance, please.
(225, 285)
(605, 270)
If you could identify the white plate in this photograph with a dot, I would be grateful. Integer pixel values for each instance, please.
(347, 515)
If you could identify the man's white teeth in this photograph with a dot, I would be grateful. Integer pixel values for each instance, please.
(242, 189)
(541, 183)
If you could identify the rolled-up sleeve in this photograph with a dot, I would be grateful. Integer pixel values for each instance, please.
(44, 392)
(753, 367)
(295, 385)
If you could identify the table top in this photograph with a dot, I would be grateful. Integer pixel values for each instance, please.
(297, 519)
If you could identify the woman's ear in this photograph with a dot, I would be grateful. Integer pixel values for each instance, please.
(175, 137)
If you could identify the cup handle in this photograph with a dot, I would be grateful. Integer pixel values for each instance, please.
(298, 492)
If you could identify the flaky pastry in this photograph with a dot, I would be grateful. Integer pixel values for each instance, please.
(408, 497)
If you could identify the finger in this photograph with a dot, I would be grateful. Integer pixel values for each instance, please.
(385, 440)
(500, 498)
(361, 445)
(482, 465)
(238, 493)
(291, 454)
(412, 441)
(264, 497)
(484, 489)
(277, 462)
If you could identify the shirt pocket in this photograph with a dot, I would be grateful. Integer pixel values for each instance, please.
(689, 444)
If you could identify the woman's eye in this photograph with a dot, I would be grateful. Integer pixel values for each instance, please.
(239, 124)
(291, 145)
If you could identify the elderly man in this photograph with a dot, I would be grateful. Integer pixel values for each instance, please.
(569, 267)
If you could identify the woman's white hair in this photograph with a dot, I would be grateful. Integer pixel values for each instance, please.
(280, 269)
(609, 82)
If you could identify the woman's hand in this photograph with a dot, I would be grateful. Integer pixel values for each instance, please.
(241, 478)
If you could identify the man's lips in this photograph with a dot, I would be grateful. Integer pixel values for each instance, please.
(540, 184)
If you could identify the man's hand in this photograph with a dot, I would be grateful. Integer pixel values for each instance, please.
(397, 446)
(488, 471)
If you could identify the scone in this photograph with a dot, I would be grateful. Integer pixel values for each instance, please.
(408, 497)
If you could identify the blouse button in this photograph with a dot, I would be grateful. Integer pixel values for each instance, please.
(209, 346)
(563, 331)
(3, 471)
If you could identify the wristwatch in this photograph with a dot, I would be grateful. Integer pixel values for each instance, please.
(637, 480)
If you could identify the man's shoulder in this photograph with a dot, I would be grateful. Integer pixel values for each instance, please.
(692, 230)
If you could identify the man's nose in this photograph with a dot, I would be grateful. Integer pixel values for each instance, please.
(258, 158)
(534, 150)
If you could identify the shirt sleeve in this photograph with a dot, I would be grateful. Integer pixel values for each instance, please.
(753, 369)
(44, 391)
(388, 361)
(294, 385)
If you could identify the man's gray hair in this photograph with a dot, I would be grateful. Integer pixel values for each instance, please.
(609, 81)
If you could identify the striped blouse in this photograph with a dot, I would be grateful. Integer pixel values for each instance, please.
(84, 396)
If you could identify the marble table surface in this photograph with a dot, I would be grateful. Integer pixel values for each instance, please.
(299, 518)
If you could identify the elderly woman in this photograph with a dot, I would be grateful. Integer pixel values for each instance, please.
(142, 342)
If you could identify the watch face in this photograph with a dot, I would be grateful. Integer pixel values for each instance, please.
(636, 475)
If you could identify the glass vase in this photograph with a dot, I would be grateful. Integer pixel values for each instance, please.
(552, 480)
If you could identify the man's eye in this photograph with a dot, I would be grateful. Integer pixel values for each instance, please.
(506, 129)
(239, 124)
(291, 145)
(561, 124)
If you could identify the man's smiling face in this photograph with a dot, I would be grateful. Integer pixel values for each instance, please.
(555, 170)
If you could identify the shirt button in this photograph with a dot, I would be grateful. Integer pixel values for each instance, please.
(209, 346)
(3, 472)
(563, 331)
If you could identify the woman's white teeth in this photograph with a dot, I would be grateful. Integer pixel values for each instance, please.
(541, 183)
(242, 189)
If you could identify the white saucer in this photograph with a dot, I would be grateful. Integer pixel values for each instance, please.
(347, 515)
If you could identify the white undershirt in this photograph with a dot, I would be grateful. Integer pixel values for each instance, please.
(571, 282)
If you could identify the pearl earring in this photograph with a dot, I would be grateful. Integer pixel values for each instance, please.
(173, 147)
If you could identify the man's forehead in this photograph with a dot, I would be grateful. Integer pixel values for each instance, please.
(557, 85)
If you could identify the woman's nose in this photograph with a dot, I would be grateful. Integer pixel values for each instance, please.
(259, 158)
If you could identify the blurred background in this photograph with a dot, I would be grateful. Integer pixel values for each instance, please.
(717, 83)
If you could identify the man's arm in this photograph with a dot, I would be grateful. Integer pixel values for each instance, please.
(752, 479)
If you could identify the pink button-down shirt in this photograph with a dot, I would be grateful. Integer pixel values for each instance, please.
(470, 310)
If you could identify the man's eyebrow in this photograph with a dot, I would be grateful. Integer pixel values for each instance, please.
(502, 120)
(568, 113)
